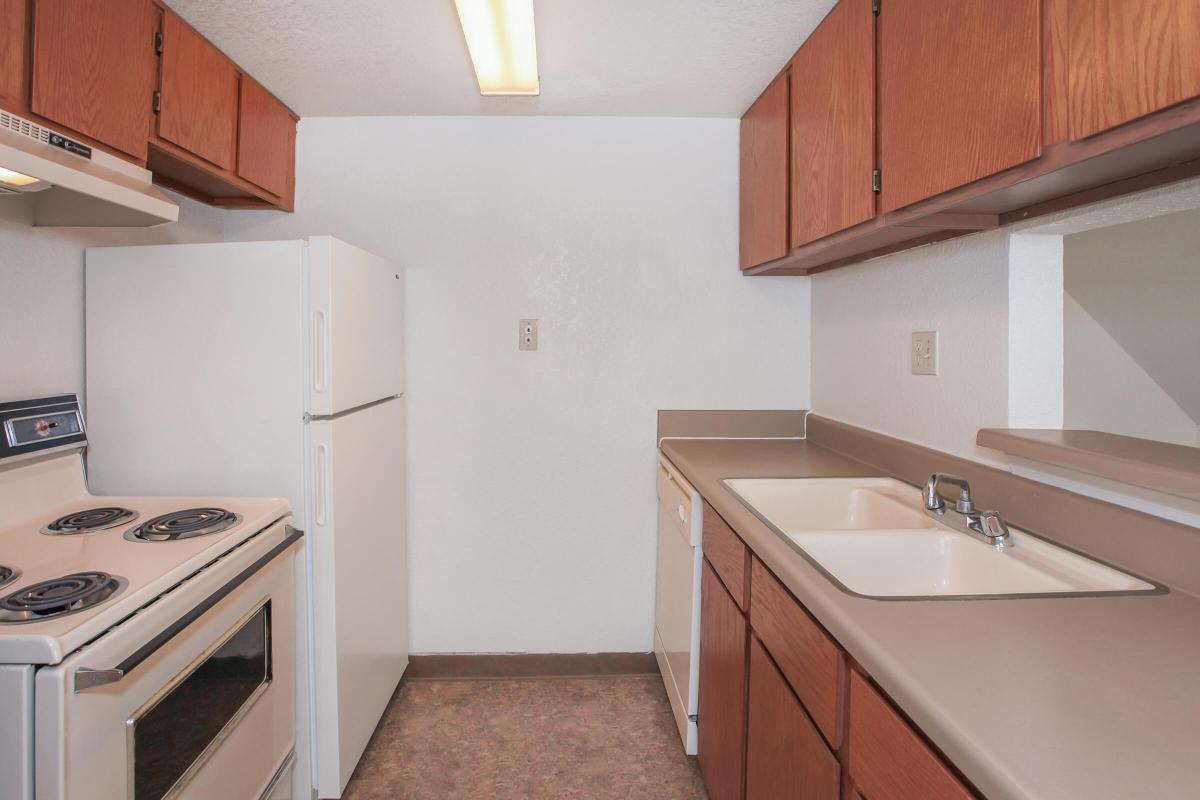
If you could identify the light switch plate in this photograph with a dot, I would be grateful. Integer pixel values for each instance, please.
(528, 334)
(925, 353)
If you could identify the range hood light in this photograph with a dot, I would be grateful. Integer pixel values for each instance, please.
(501, 41)
(21, 180)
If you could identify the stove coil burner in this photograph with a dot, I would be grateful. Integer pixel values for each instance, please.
(186, 524)
(59, 597)
(90, 521)
(8, 574)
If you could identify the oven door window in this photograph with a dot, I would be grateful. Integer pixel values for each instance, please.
(173, 737)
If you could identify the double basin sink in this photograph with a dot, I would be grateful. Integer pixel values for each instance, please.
(873, 538)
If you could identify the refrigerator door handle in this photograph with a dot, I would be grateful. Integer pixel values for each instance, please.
(321, 470)
(320, 357)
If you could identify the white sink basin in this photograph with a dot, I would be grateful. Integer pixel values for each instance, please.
(872, 537)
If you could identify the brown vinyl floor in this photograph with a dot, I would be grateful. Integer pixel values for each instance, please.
(594, 738)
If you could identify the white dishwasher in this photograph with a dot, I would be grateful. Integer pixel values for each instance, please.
(677, 596)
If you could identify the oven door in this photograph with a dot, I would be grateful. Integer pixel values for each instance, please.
(191, 697)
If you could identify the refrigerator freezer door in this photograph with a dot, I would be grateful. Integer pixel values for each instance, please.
(354, 319)
(359, 580)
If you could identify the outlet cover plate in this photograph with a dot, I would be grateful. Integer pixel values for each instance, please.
(527, 334)
(924, 353)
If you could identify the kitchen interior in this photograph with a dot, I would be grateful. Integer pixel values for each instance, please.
(510, 399)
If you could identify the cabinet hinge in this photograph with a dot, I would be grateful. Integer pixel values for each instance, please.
(157, 102)
(158, 47)
(877, 181)
(875, 4)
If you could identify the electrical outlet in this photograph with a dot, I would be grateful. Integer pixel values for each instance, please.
(925, 353)
(528, 334)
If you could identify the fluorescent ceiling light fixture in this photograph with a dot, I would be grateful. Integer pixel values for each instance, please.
(10, 178)
(500, 39)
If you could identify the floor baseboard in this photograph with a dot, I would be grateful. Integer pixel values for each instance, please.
(528, 665)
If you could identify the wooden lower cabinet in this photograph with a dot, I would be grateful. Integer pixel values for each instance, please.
(728, 555)
(888, 760)
(724, 635)
(782, 715)
(786, 759)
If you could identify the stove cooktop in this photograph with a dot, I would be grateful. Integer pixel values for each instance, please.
(189, 523)
(8, 574)
(58, 597)
(91, 520)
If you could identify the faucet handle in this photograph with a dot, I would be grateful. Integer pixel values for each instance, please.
(993, 526)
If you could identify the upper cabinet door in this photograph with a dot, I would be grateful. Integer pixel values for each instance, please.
(1129, 58)
(833, 124)
(199, 89)
(93, 68)
(14, 40)
(764, 177)
(960, 93)
(265, 142)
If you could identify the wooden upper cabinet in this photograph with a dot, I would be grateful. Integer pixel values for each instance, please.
(14, 50)
(1130, 58)
(199, 88)
(960, 93)
(786, 759)
(764, 177)
(833, 124)
(93, 69)
(265, 139)
(724, 636)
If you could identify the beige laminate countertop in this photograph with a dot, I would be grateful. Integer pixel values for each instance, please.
(1077, 698)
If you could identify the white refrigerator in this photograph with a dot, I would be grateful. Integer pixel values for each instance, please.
(272, 368)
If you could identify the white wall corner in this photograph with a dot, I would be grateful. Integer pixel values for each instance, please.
(1035, 331)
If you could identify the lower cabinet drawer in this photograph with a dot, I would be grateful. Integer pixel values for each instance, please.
(811, 661)
(888, 759)
(786, 759)
(728, 554)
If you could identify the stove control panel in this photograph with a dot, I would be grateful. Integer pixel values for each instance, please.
(33, 426)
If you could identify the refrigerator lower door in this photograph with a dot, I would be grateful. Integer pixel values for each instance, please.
(356, 513)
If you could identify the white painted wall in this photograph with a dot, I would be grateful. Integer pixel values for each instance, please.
(1140, 281)
(863, 317)
(531, 474)
(1106, 389)
(1035, 331)
(41, 292)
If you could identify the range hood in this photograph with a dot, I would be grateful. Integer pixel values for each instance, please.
(74, 185)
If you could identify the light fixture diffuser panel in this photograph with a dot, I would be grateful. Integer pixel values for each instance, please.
(500, 38)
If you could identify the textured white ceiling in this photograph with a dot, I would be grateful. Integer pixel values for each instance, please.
(686, 58)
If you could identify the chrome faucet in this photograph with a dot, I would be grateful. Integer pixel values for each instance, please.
(985, 525)
(933, 501)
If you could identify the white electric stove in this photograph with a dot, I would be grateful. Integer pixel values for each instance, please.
(147, 644)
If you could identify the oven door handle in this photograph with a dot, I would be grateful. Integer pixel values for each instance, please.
(91, 678)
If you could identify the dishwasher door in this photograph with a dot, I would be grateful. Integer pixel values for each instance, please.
(677, 597)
